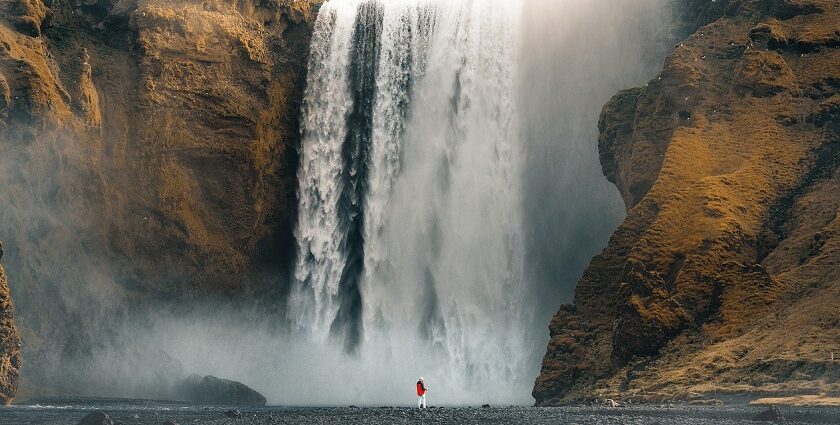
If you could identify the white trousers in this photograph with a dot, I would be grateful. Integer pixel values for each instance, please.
(421, 401)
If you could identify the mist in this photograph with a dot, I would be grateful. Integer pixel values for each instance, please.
(460, 298)
(574, 56)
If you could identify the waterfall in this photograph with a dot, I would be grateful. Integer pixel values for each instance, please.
(413, 185)
(409, 211)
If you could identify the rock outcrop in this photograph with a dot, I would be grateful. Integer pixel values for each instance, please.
(10, 356)
(177, 118)
(96, 418)
(725, 275)
(148, 151)
(215, 391)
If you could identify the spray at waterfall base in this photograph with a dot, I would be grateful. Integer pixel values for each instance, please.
(419, 131)
(450, 195)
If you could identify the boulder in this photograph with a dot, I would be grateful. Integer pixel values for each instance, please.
(213, 390)
(233, 413)
(772, 414)
(96, 418)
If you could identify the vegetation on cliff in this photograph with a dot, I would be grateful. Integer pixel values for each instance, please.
(724, 277)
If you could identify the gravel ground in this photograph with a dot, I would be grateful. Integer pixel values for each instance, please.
(521, 415)
(155, 413)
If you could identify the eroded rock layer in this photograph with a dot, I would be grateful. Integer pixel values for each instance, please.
(725, 275)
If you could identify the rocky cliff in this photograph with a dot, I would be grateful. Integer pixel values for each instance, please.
(10, 355)
(725, 275)
(110, 86)
(148, 150)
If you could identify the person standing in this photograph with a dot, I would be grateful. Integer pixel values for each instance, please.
(421, 394)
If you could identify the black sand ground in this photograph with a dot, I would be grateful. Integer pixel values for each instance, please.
(69, 412)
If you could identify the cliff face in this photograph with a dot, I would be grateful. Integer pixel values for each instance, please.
(10, 356)
(724, 276)
(110, 86)
(148, 149)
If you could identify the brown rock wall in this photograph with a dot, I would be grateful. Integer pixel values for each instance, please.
(149, 155)
(10, 354)
(723, 277)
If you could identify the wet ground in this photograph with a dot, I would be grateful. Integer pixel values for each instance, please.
(136, 412)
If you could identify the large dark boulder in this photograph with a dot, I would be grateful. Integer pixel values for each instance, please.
(96, 418)
(212, 390)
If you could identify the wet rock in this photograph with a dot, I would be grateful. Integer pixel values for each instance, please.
(233, 414)
(212, 390)
(772, 414)
(96, 418)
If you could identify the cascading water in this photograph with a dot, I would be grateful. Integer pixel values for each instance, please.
(413, 183)
(410, 216)
(450, 196)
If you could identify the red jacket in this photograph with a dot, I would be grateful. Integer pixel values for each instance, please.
(421, 389)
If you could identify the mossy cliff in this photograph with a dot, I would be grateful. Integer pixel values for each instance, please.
(725, 275)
